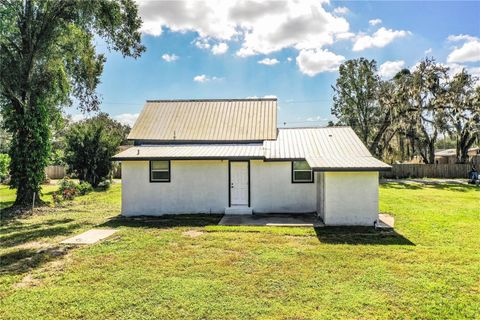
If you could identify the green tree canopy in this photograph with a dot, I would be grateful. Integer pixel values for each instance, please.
(90, 145)
(356, 102)
(47, 56)
(463, 114)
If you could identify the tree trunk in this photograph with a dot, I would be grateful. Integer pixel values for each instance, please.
(431, 152)
(29, 151)
(25, 196)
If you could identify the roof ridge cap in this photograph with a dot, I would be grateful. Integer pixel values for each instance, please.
(212, 100)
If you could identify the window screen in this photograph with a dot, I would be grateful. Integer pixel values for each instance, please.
(301, 172)
(160, 171)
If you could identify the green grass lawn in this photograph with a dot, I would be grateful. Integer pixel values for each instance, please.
(190, 268)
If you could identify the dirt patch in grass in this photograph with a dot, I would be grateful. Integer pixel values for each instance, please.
(193, 233)
(27, 282)
(26, 259)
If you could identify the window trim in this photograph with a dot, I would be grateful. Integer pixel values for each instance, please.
(302, 181)
(159, 181)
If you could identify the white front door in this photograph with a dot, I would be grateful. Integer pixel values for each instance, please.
(239, 183)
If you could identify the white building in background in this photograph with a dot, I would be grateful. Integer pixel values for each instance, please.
(228, 156)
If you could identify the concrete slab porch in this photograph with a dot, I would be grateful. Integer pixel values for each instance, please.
(90, 236)
(280, 220)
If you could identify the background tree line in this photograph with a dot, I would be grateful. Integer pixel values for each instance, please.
(84, 147)
(406, 116)
(47, 60)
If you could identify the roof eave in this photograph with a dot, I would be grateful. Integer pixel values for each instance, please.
(350, 169)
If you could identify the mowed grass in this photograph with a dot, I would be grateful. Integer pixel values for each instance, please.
(189, 268)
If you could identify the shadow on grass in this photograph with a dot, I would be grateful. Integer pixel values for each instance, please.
(19, 234)
(412, 185)
(166, 221)
(24, 260)
(360, 236)
(15, 225)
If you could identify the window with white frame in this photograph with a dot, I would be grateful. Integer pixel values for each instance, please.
(160, 171)
(301, 172)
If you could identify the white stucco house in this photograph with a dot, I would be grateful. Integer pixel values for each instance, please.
(228, 156)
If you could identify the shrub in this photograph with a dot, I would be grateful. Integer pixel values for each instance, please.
(104, 185)
(84, 187)
(68, 189)
(4, 164)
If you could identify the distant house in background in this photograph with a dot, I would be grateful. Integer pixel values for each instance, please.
(449, 156)
(228, 156)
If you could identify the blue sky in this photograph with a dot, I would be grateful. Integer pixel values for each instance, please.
(214, 49)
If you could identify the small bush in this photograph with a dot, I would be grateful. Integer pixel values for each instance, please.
(67, 190)
(67, 183)
(84, 188)
(104, 185)
(4, 164)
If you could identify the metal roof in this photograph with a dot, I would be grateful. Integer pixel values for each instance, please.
(207, 120)
(446, 152)
(193, 151)
(346, 163)
(298, 142)
(325, 149)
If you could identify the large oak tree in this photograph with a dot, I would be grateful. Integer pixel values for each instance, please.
(463, 114)
(356, 103)
(47, 59)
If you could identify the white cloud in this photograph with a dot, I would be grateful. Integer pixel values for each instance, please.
(204, 78)
(298, 24)
(268, 61)
(379, 39)
(454, 68)
(127, 118)
(461, 37)
(202, 43)
(220, 48)
(289, 59)
(389, 69)
(374, 22)
(468, 52)
(428, 51)
(344, 36)
(475, 71)
(201, 78)
(169, 57)
(312, 61)
(341, 10)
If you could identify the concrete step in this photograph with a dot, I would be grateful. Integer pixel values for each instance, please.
(385, 222)
(239, 210)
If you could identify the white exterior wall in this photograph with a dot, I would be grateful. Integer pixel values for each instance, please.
(320, 182)
(201, 186)
(350, 198)
(195, 187)
(272, 190)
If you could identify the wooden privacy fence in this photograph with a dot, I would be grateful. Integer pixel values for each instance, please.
(447, 171)
(59, 172)
(55, 172)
